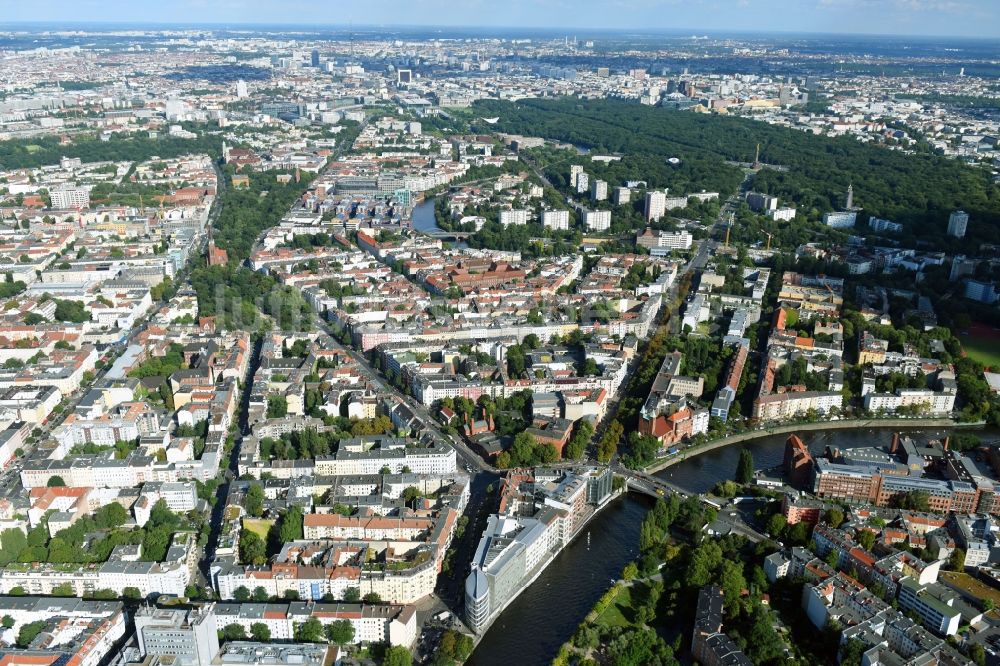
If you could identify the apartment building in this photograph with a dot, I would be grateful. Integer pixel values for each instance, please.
(148, 577)
(556, 219)
(655, 205)
(597, 220)
(621, 196)
(709, 645)
(727, 394)
(375, 528)
(599, 190)
(76, 631)
(924, 401)
(395, 585)
(889, 636)
(70, 197)
(383, 623)
(516, 217)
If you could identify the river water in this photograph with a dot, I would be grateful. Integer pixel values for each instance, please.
(425, 220)
(701, 472)
(545, 615)
(423, 216)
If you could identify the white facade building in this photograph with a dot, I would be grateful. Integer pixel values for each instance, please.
(782, 214)
(556, 219)
(598, 220)
(931, 402)
(840, 219)
(513, 217)
(70, 197)
(656, 205)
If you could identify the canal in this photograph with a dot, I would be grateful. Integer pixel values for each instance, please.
(545, 615)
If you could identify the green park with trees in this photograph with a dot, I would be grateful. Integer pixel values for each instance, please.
(43, 150)
(917, 190)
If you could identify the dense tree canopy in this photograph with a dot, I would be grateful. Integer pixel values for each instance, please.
(239, 296)
(918, 190)
(44, 150)
(744, 468)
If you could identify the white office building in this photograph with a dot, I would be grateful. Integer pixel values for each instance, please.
(984, 292)
(878, 224)
(931, 604)
(661, 243)
(189, 636)
(780, 214)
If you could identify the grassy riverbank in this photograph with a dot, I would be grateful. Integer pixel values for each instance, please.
(647, 615)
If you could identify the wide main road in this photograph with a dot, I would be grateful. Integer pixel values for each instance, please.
(466, 456)
(729, 206)
(231, 464)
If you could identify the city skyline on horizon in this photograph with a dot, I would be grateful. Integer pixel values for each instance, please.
(898, 18)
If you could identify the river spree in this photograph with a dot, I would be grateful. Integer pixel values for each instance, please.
(423, 216)
(425, 220)
(699, 473)
(545, 615)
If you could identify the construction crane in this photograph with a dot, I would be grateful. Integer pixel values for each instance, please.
(729, 226)
(769, 236)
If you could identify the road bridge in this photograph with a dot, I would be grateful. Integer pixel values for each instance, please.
(653, 486)
(441, 234)
(648, 484)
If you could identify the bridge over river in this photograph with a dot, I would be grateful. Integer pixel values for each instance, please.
(441, 234)
(654, 486)
(648, 484)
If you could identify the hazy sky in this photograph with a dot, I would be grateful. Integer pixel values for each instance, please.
(915, 17)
